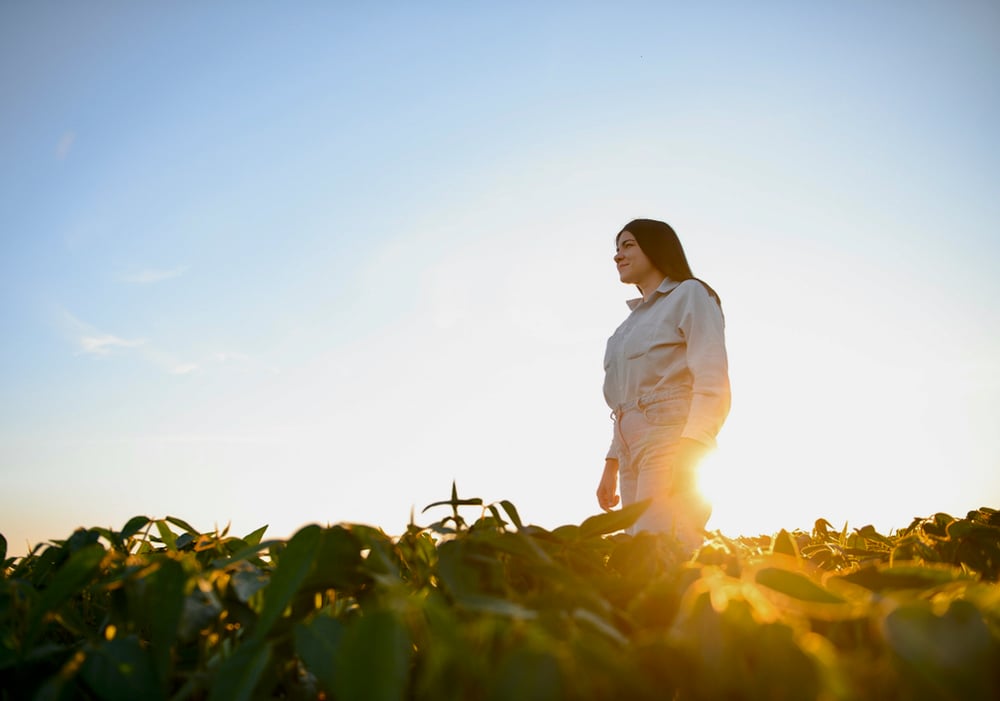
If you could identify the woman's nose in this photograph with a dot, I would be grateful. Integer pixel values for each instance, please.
(618, 256)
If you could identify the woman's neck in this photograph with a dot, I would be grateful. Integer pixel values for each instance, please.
(648, 286)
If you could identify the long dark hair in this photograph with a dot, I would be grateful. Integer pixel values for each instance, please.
(659, 242)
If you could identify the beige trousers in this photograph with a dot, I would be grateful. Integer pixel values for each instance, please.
(648, 434)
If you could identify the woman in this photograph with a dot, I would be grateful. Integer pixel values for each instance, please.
(667, 383)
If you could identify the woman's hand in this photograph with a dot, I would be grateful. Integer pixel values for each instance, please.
(607, 490)
(689, 454)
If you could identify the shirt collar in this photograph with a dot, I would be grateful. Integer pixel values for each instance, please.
(666, 286)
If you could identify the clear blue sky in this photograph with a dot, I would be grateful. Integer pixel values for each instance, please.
(283, 264)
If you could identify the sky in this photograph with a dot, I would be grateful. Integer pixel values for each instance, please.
(272, 264)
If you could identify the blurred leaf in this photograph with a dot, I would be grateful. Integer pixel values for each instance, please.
(497, 606)
(599, 624)
(527, 675)
(466, 569)
(246, 583)
(784, 544)
(201, 608)
(871, 535)
(336, 560)
(81, 538)
(612, 521)
(293, 567)
(316, 644)
(521, 546)
(121, 670)
(373, 661)
(250, 553)
(883, 577)
(796, 585)
(822, 528)
(237, 676)
(73, 575)
(166, 603)
(568, 531)
(949, 656)
(3, 548)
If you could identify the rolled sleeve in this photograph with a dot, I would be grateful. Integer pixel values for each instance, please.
(613, 451)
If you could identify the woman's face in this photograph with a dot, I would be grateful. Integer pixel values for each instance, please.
(634, 268)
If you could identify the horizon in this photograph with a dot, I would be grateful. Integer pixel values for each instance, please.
(311, 265)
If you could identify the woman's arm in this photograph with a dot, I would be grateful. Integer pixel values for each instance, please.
(703, 327)
(607, 490)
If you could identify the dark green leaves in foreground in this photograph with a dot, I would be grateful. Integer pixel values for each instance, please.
(480, 605)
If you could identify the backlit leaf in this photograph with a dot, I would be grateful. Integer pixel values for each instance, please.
(612, 521)
(796, 585)
(166, 535)
(512, 514)
(254, 537)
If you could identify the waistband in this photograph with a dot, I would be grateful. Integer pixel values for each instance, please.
(648, 399)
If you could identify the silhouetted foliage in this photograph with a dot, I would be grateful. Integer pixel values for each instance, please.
(492, 608)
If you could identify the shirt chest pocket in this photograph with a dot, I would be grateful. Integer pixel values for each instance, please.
(638, 340)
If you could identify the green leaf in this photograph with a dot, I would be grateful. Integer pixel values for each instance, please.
(896, 577)
(254, 537)
(165, 592)
(953, 655)
(237, 676)
(528, 675)
(465, 569)
(68, 580)
(612, 521)
(317, 644)
(120, 670)
(180, 523)
(167, 535)
(246, 583)
(567, 531)
(498, 607)
(795, 585)
(293, 567)
(336, 561)
(249, 553)
(521, 546)
(373, 662)
(133, 526)
(512, 514)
